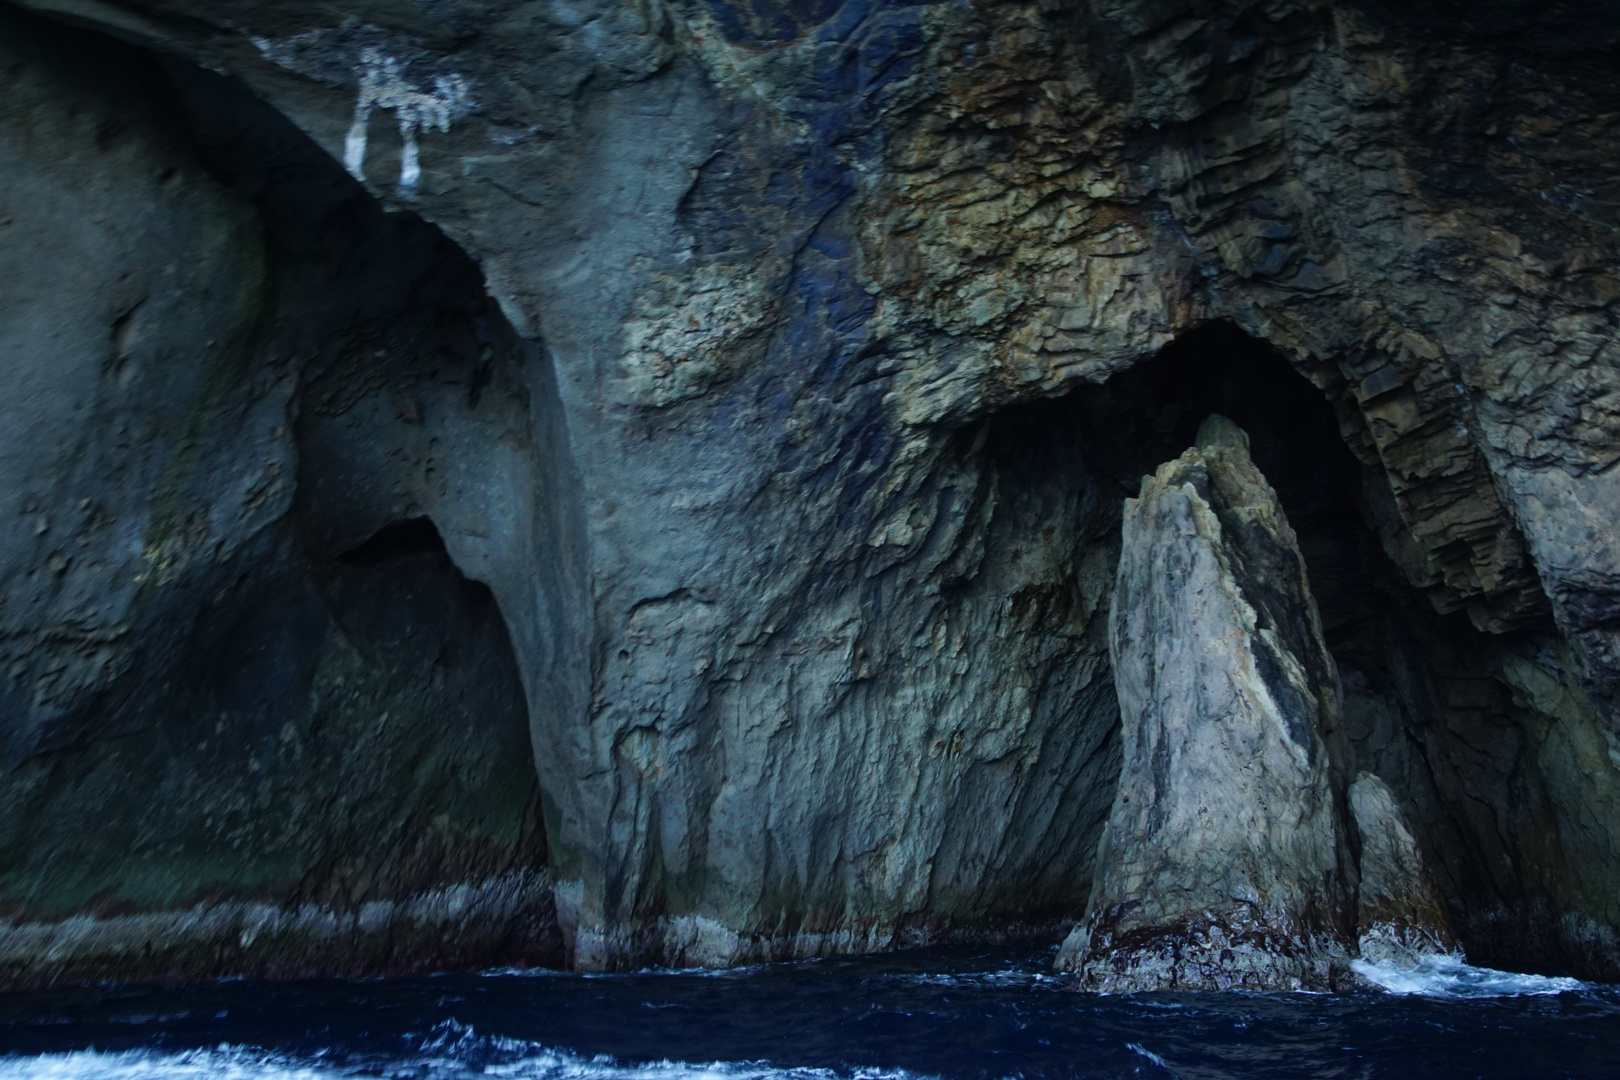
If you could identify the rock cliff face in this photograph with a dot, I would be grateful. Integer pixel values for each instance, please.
(603, 483)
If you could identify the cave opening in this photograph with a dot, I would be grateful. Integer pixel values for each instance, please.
(430, 647)
(312, 700)
(1124, 428)
(1429, 702)
(1150, 413)
(402, 350)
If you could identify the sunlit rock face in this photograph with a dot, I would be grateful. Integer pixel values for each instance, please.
(781, 370)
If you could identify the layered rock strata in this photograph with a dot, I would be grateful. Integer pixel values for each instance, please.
(1222, 864)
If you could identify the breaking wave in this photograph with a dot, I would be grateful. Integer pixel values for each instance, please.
(1453, 977)
(453, 1052)
(223, 1063)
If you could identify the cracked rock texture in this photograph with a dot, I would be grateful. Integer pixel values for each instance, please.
(733, 402)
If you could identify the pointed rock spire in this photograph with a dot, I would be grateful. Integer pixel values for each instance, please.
(1222, 865)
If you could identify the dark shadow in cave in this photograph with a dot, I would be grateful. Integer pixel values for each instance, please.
(1425, 705)
(1151, 413)
(435, 641)
(400, 540)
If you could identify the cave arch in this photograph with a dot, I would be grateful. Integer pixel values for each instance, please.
(1486, 737)
(1440, 709)
(304, 741)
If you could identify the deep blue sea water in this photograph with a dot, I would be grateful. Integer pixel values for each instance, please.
(948, 1013)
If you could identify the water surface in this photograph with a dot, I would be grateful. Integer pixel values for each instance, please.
(956, 1014)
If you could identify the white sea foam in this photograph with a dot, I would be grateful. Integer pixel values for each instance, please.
(1452, 977)
(223, 1063)
(551, 1065)
(1142, 1051)
(453, 1052)
(453, 1046)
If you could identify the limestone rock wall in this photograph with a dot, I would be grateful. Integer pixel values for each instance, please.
(804, 586)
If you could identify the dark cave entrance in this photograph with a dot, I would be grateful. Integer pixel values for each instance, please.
(1125, 428)
(1426, 705)
(401, 540)
(433, 645)
(418, 678)
(320, 714)
(1150, 413)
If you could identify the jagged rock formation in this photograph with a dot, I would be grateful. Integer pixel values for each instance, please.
(780, 370)
(1226, 862)
(1399, 917)
(1223, 863)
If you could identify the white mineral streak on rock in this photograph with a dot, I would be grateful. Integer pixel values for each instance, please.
(1398, 914)
(382, 82)
(1221, 865)
(382, 86)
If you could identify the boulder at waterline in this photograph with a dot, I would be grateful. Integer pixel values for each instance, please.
(1398, 915)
